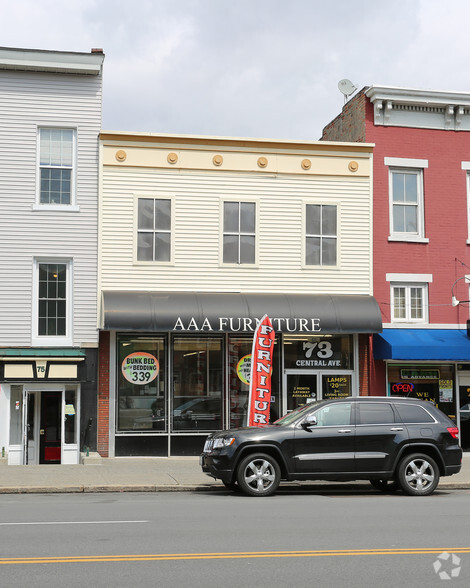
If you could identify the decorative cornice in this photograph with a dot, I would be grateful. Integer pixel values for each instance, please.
(64, 62)
(420, 108)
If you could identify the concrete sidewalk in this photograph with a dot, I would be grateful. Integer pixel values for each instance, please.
(124, 474)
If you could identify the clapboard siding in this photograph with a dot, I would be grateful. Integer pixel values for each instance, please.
(197, 199)
(29, 100)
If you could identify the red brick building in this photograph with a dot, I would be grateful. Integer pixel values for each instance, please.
(421, 240)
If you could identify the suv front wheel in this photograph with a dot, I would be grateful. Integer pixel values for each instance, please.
(418, 474)
(258, 475)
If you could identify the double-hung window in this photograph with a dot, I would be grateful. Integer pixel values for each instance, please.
(239, 235)
(52, 302)
(56, 166)
(406, 198)
(466, 167)
(321, 234)
(153, 229)
(409, 303)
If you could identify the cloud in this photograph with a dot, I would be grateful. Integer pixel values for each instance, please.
(264, 68)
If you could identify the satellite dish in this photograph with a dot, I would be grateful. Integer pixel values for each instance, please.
(346, 87)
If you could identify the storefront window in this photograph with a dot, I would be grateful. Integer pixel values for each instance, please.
(426, 382)
(16, 402)
(70, 415)
(318, 352)
(197, 384)
(239, 380)
(141, 383)
(336, 386)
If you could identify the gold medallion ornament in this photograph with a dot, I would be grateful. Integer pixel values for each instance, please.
(262, 161)
(172, 158)
(121, 155)
(217, 160)
(306, 163)
(353, 166)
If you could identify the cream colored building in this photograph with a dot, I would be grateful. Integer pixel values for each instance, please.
(201, 236)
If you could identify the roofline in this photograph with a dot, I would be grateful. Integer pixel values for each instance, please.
(41, 60)
(245, 142)
(417, 96)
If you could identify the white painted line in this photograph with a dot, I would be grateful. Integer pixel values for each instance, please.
(75, 523)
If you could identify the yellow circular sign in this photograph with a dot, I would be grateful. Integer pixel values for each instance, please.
(140, 368)
(244, 369)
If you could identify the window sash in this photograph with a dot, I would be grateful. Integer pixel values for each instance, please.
(154, 229)
(406, 202)
(56, 157)
(409, 303)
(321, 234)
(52, 299)
(239, 234)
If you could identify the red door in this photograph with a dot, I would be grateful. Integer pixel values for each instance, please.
(50, 427)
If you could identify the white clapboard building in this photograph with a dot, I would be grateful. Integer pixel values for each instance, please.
(50, 118)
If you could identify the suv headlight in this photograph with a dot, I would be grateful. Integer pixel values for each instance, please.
(222, 442)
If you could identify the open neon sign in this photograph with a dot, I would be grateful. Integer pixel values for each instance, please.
(403, 388)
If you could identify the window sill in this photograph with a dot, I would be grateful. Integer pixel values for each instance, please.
(320, 267)
(153, 263)
(407, 324)
(56, 208)
(51, 342)
(406, 239)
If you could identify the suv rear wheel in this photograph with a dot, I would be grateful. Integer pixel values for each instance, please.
(258, 474)
(418, 474)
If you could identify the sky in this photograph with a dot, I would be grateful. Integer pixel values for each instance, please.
(247, 68)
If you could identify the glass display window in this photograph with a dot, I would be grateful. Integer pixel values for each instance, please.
(426, 382)
(198, 384)
(239, 361)
(142, 395)
(323, 352)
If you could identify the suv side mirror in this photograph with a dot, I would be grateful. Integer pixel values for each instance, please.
(310, 421)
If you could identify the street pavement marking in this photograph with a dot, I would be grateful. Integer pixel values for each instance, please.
(73, 523)
(231, 555)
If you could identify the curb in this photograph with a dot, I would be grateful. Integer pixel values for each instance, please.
(104, 488)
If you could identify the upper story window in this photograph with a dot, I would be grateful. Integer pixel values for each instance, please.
(239, 237)
(409, 303)
(321, 236)
(154, 229)
(466, 167)
(52, 302)
(406, 199)
(56, 166)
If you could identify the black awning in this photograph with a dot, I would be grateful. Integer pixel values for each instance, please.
(222, 312)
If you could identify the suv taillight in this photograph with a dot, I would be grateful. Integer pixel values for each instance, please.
(454, 431)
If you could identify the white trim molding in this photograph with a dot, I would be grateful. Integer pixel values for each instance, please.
(405, 162)
(409, 278)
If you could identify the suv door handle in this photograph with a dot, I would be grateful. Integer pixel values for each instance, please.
(396, 429)
(344, 430)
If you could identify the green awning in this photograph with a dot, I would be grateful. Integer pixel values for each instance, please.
(28, 352)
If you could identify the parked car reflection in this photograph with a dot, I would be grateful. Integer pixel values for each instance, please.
(202, 413)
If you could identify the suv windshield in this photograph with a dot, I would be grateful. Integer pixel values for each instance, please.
(290, 417)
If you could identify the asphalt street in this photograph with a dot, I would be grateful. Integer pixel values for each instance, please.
(328, 538)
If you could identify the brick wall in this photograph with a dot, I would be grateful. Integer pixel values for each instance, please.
(350, 124)
(363, 365)
(103, 395)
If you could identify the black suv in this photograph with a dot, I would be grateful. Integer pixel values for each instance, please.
(393, 442)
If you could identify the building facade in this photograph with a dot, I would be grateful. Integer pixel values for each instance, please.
(50, 118)
(199, 238)
(421, 240)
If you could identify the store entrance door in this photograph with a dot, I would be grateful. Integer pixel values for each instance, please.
(50, 428)
(464, 412)
(301, 387)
